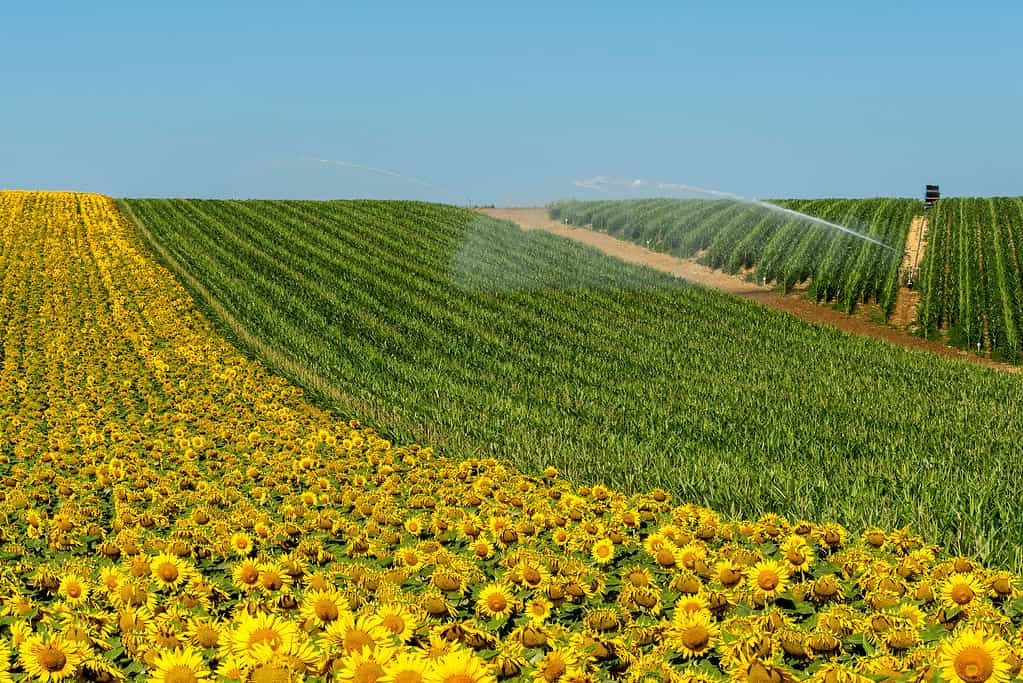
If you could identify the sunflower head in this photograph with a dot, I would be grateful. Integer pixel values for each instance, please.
(974, 657)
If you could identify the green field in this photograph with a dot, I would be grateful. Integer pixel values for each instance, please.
(735, 236)
(970, 280)
(438, 325)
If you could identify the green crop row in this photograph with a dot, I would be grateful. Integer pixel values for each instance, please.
(972, 275)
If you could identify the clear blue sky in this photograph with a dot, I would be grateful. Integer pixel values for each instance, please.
(509, 102)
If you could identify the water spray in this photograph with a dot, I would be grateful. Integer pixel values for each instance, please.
(601, 183)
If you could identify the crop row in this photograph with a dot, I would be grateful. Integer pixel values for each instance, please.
(777, 246)
(973, 281)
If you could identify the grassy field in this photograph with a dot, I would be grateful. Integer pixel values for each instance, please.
(434, 322)
(781, 248)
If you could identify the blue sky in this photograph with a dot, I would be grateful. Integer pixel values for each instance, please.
(509, 103)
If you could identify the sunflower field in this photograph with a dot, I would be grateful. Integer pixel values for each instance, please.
(172, 512)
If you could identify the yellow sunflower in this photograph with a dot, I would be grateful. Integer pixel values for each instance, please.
(183, 665)
(495, 601)
(364, 665)
(245, 576)
(460, 667)
(264, 629)
(694, 634)
(767, 579)
(798, 553)
(408, 667)
(973, 657)
(350, 633)
(555, 664)
(273, 578)
(603, 551)
(401, 620)
(73, 589)
(323, 607)
(51, 658)
(241, 543)
(962, 591)
(169, 571)
(539, 610)
(203, 632)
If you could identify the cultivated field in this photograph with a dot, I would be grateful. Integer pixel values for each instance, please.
(735, 236)
(972, 277)
(970, 280)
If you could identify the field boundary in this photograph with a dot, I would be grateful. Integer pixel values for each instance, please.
(253, 342)
(537, 218)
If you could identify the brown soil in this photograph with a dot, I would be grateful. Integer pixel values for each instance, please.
(536, 218)
(907, 299)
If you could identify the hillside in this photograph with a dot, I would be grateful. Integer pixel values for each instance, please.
(467, 333)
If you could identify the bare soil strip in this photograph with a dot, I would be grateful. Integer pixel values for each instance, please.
(536, 218)
(907, 299)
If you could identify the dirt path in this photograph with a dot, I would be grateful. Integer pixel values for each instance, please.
(907, 299)
(536, 218)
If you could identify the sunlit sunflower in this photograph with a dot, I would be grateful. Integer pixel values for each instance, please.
(364, 665)
(169, 571)
(962, 591)
(204, 632)
(241, 543)
(767, 579)
(269, 629)
(495, 600)
(691, 603)
(693, 635)
(73, 589)
(273, 578)
(51, 658)
(797, 553)
(482, 548)
(555, 664)
(184, 665)
(539, 610)
(973, 657)
(245, 576)
(408, 667)
(401, 620)
(460, 667)
(323, 607)
(603, 551)
(350, 633)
